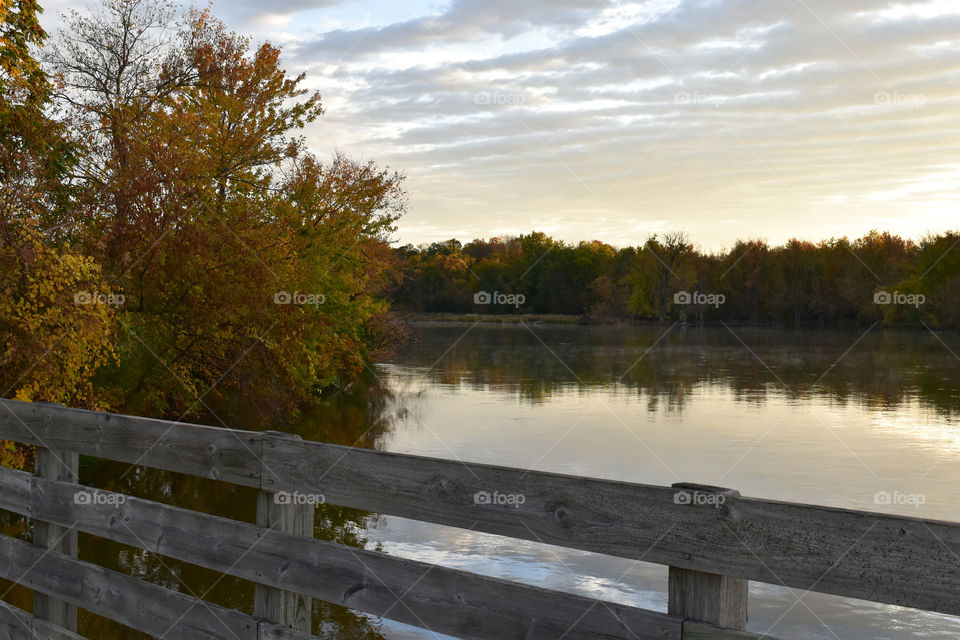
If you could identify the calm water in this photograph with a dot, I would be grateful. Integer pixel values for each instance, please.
(829, 418)
(823, 417)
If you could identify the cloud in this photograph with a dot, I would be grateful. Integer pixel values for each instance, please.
(730, 118)
(462, 21)
(255, 13)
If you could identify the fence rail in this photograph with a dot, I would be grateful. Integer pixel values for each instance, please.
(713, 540)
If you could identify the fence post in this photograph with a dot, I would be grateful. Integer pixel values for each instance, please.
(65, 467)
(276, 605)
(707, 597)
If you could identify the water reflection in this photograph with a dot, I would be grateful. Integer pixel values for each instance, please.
(666, 365)
(829, 417)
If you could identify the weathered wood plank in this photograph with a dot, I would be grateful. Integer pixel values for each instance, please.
(883, 558)
(43, 630)
(16, 491)
(707, 597)
(154, 610)
(16, 624)
(209, 452)
(284, 513)
(702, 631)
(272, 631)
(137, 604)
(445, 600)
(63, 466)
(890, 559)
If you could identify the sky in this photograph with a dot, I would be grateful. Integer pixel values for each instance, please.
(614, 120)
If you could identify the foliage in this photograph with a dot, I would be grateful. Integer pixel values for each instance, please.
(833, 282)
(167, 171)
(51, 346)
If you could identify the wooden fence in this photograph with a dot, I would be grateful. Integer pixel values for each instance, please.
(713, 540)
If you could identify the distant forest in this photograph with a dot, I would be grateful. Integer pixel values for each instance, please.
(837, 282)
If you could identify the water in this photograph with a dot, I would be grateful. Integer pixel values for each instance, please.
(824, 417)
(830, 418)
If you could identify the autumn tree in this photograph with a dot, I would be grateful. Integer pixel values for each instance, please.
(936, 275)
(660, 273)
(830, 283)
(246, 262)
(54, 334)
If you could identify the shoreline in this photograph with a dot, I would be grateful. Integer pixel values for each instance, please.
(570, 320)
(519, 318)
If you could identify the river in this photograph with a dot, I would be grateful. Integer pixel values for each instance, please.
(865, 419)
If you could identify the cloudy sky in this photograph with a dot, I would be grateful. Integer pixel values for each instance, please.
(612, 120)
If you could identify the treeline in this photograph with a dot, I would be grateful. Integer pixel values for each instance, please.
(167, 242)
(837, 282)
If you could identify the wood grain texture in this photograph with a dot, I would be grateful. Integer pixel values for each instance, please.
(16, 624)
(62, 466)
(137, 604)
(708, 597)
(693, 630)
(16, 491)
(286, 608)
(271, 631)
(209, 452)
(882, 558)
(445, 600)
(134, 603)
(43, 630)
(890, 559)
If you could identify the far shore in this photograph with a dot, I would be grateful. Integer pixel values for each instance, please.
(491, 318)
(517, 318)
(588, 321)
